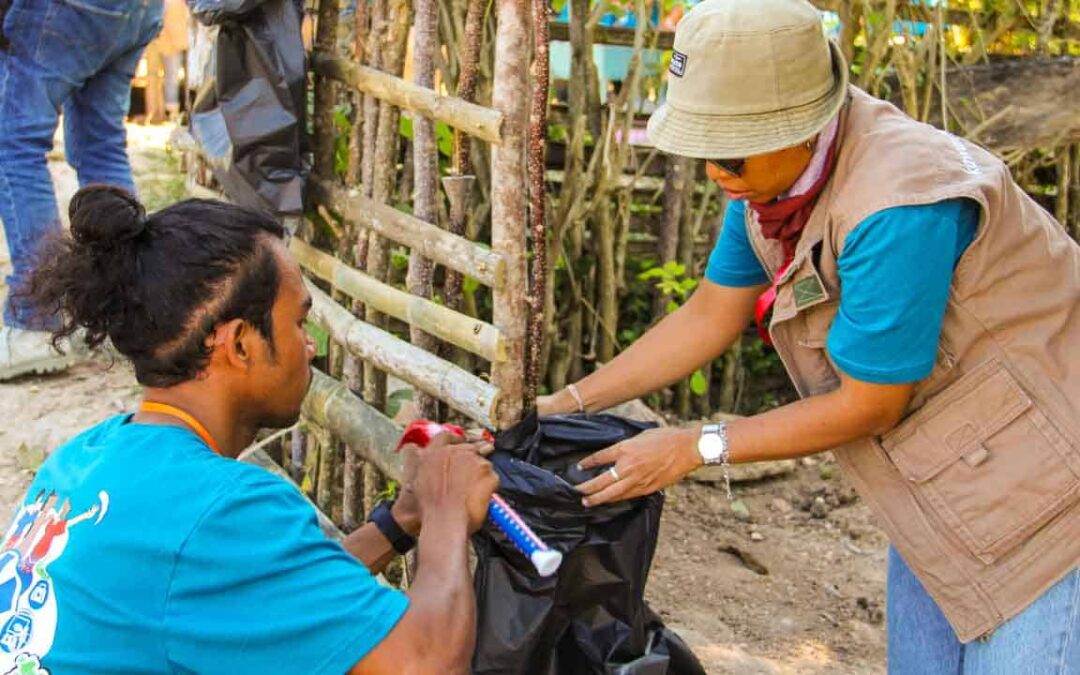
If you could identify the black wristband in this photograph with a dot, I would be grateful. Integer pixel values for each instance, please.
(401, 540)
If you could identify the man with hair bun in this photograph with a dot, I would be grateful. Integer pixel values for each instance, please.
(163, 553)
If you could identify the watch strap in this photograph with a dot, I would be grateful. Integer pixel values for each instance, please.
(383, 518)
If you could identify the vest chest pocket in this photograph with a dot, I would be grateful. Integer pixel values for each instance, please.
(987, 461)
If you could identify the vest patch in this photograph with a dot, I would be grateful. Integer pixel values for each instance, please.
(807, 291)
(678, 64)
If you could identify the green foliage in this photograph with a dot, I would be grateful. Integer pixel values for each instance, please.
(698, 384)
(399, 258)
(389, 493)
(320, 336)
(395, 400)
(671, 280)
(444, 135)
(342, 131)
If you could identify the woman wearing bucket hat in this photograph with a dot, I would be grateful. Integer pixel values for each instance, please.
(927, 311)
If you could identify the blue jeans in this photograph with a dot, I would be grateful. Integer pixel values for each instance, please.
(79, 55)
(1044, 639)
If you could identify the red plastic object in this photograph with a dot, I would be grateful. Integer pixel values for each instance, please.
(421, 432)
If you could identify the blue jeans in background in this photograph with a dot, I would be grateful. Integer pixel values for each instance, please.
(1044, 639)
(78, 55)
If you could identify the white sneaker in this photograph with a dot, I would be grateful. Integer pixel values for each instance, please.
(25, 352)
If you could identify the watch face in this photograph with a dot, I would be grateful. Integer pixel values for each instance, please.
(711, 447)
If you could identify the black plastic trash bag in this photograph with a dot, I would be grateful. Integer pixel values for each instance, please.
(591, 616)
(248, 115)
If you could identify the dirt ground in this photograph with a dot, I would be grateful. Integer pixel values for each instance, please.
(792, 584)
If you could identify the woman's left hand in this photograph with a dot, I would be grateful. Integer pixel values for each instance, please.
(648, 462)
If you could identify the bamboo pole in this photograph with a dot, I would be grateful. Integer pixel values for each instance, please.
(426, 176)
(366, 431)
(458, 253)
(481, 122)
(477, 336)
(462, 390)
(538, 195)
(509, 192)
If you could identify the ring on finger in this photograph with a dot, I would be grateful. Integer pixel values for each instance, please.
(614, 474)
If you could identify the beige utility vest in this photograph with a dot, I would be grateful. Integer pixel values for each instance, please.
(979, 487)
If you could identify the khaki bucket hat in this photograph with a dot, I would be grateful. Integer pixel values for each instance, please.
(748, 77)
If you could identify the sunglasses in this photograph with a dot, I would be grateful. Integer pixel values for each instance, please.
(731, 166)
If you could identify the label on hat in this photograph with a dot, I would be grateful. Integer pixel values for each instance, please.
(678, 64)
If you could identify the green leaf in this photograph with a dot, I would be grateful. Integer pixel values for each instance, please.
(444, 137)
(470, 285)
(320, 336)
(395, 399)
(698, 384)
(399, 258)
(671, 306)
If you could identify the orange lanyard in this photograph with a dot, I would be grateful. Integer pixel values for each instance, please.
(173, 411)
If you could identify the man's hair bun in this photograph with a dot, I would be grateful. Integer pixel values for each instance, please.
(104, 215)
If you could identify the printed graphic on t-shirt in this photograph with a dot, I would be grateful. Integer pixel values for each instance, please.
(37, 537)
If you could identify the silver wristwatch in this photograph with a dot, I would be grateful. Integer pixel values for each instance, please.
(713, 444)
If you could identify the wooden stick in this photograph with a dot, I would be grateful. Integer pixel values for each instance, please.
(481, 122)
(456, 252)
(477, 336)
(323, 141)
(367, 432)
(384, 176)
(426, 176)
(508, 198)
(462, 390)
(538, 127)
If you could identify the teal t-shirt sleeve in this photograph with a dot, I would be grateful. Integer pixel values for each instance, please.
(257, 588)
(733, 262)
(895, 269)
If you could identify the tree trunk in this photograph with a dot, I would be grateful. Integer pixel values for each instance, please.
(425, 176)
(538, 197)
(508, 200)
(667, 240)
(383, 177)
(325, 89)
(462, 160)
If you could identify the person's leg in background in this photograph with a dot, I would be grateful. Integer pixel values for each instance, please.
(920, 639)
(154, 94)
(56, 48)
(29, 98)
(1044, 639)
(172, 85)
(94, 132)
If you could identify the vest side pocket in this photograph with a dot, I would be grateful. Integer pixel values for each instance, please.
(986, 461)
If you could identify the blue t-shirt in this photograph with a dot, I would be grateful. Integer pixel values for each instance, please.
(895, 272)
(138, 549)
